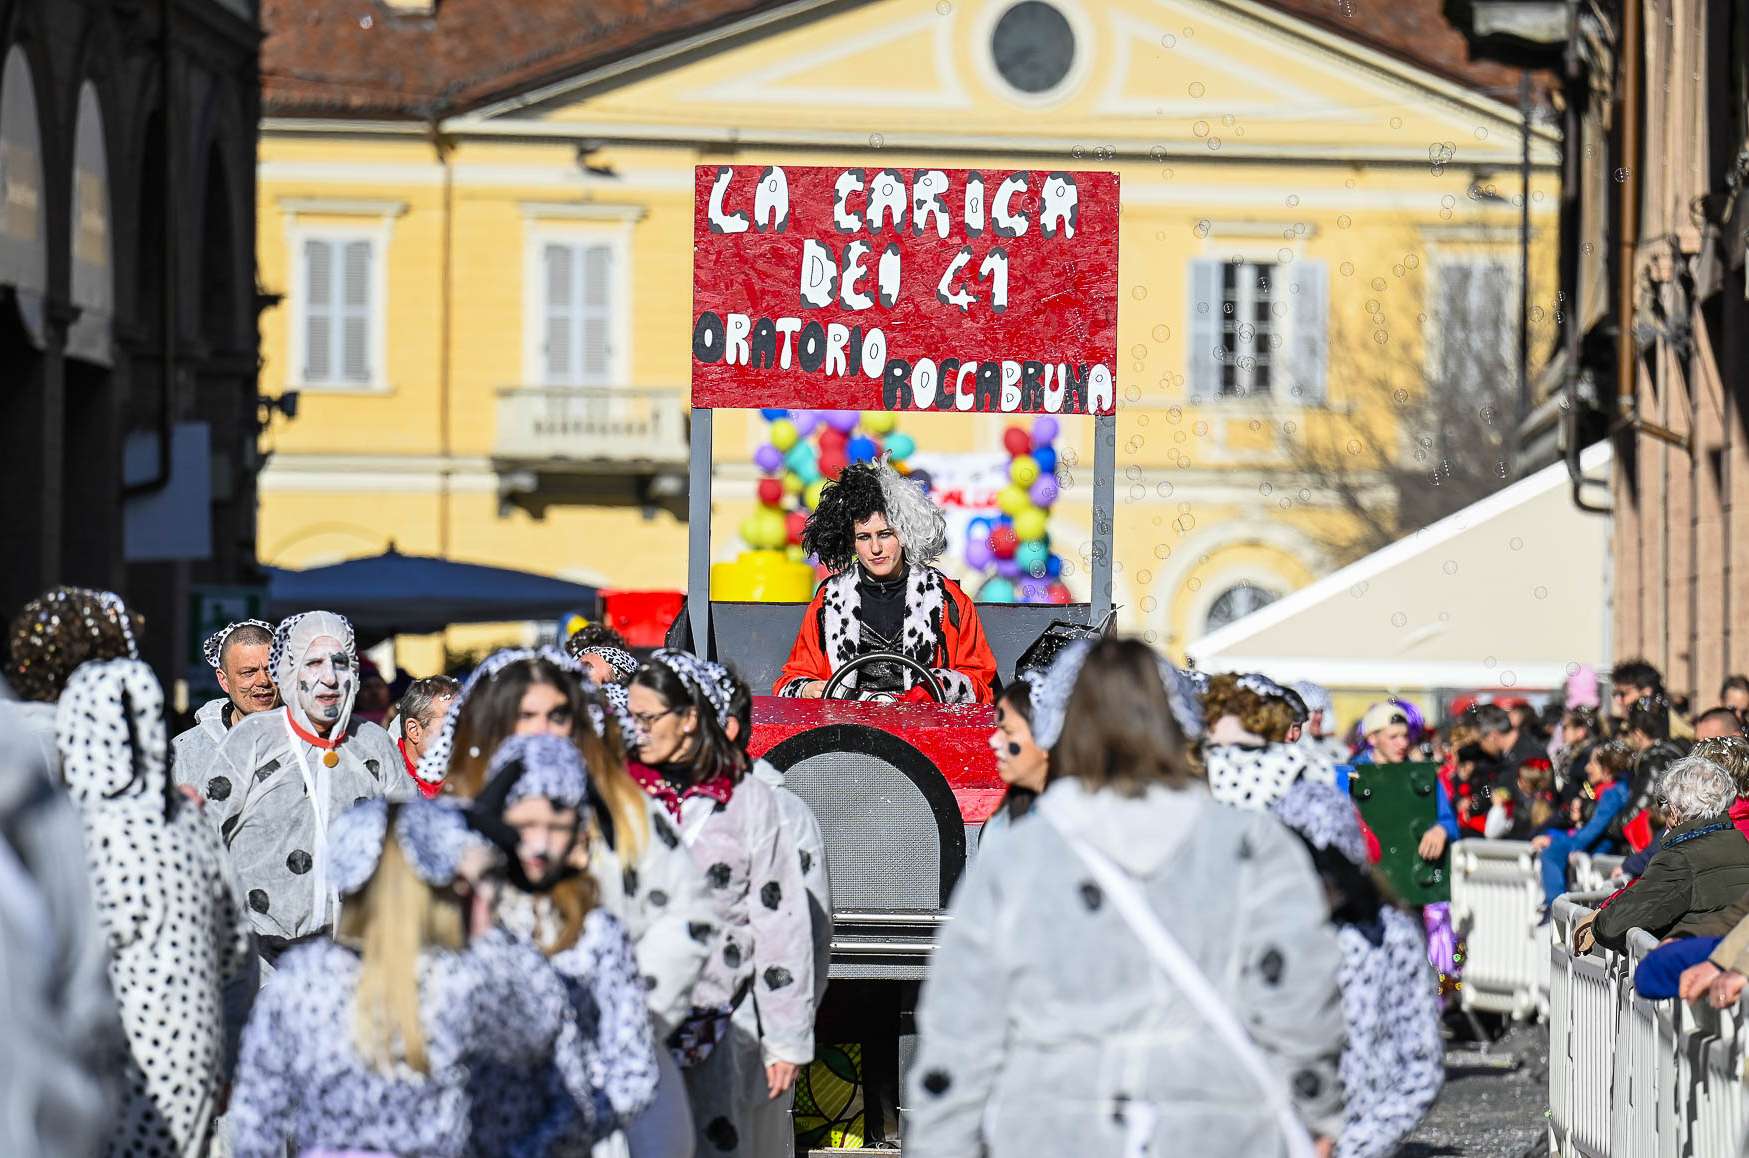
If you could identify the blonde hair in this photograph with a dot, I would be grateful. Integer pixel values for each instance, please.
(392, 921)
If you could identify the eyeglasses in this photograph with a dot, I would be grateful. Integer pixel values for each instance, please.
(645, 719)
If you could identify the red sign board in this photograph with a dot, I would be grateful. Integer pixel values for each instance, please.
(905, 289)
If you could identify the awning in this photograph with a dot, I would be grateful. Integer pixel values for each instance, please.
(396, 594)
(1507, 592)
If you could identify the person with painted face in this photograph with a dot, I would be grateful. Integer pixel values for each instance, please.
(170, 907)
(1022, 764)
(281, 776)
(239, 656)
(740, 1056)
(538, 788)
(643, 875)
(879, 535)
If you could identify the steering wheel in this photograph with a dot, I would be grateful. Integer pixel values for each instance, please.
(925, 676)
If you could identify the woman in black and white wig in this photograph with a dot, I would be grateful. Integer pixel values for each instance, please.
(752, 1025)
(879, 535)
(1134, 969)
(367, 1043)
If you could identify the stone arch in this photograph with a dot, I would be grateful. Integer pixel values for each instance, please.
(1171, 575)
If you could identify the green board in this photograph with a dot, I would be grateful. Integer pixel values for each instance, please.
(1400, 803)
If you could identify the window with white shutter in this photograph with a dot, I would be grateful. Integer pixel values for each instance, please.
(577, 323)
(1308, 347)
(1474, 323)
(340, 316)
(1257, 329)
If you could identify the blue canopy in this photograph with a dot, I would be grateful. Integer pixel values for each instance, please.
(396, 594)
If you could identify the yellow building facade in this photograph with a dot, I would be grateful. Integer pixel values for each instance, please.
(487, 316)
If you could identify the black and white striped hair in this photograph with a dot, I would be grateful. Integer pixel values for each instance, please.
(874, 488)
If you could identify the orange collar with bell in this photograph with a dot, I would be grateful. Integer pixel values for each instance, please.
(329, 756)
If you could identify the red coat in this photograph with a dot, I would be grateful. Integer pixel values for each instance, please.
(957, 651)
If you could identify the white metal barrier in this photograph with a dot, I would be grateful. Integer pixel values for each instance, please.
(1590, 874)
(1496, 904)
(1633, 1078)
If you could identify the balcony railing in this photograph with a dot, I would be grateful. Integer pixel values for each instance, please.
(592, 428)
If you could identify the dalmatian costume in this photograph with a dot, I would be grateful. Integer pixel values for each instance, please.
(277, 783)
(1247, 771)
(600, 973)
(1392, 1066)
(660, 898)
(194, 751)
(497, 1002)
(168, 903)
(755, 1003)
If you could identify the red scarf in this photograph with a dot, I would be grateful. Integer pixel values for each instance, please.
(429, 791)
(717, 788)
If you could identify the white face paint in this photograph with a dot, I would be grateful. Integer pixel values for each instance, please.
(325, 681)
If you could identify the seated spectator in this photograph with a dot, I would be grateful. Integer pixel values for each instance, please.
(1469, 798)
(1647, 732)
(1716, 722)
(1701, 869)
(1606, 773)
(1579, 730)
(1507, 745)
(1525, 809)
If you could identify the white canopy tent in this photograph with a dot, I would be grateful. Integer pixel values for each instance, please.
(1506, 593)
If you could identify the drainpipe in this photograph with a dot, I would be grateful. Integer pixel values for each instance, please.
(167, 285)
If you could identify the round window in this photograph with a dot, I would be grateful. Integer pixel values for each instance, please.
(1033, 47)
(1236, 603)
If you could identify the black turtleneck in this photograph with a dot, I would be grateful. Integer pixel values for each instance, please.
(883, 606)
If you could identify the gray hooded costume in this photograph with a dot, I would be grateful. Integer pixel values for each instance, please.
(172, 912)
(271, 791)
(1048, 1030)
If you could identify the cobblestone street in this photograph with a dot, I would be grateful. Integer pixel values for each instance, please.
(1494, 1105)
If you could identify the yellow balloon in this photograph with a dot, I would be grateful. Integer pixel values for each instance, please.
(1030, 524)
(811, 496)
(881, 422)
(792, 483)
(773, 533)
(750, 531)
(1011, 500)
(783, 434)
(1024, 470)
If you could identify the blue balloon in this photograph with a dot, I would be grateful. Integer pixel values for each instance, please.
(773, 415)
(1054, 566)
(1046, 457)
(861, 449)
(979, 528)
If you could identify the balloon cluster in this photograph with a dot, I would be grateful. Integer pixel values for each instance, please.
(1016, 546)
(804, 449)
